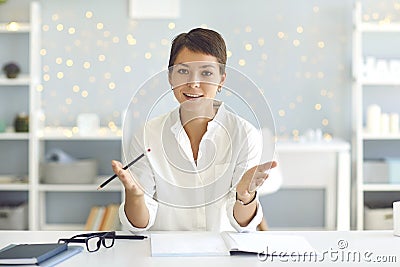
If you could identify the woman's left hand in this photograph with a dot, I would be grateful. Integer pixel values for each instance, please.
(252, 179)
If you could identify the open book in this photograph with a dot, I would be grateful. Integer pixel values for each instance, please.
(226, 243)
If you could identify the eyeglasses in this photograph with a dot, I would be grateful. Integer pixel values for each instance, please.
(94, 241)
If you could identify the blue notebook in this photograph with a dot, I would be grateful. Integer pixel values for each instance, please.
(36, 254)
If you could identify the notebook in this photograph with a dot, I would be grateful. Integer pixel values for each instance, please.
(30, 253)
(194, 244)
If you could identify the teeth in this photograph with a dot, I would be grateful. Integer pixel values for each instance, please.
(190, 95)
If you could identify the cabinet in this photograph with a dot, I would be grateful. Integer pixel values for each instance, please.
(376, 81)
(315, 177)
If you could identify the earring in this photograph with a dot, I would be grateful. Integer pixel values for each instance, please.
(219, 89)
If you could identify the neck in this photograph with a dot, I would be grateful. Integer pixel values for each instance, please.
(197, 112)
(195, 118)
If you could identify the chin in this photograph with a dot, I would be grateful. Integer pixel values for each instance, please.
(197, 104)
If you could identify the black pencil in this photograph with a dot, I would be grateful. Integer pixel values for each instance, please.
(126, 167)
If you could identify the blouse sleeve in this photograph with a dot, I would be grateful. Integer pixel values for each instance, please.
(252, 226)
(152, 206)
(249, 156)
(143, 174)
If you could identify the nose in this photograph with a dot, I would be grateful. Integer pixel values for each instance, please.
(194, 84)
(194, 80)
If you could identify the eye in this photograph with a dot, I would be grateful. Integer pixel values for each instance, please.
(183, 71)
(206, 73)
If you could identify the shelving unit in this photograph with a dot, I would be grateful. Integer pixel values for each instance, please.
(103, 146)
(17, 95)
(362, 139)
(38, 141)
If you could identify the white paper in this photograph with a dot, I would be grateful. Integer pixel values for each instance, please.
(187, 244)
(221, 244)
(262, 242)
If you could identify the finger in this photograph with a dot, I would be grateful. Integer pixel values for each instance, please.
(116, 166)
(267, 166)
(122, 174)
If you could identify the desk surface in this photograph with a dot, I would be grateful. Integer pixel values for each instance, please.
(336, 247)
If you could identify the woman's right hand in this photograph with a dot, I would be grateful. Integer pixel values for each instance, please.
(131, 186)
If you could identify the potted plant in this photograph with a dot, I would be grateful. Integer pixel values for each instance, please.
(11, 70)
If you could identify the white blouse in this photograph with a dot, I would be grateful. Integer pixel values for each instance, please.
(182, 194)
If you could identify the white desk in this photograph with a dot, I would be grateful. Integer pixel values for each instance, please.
(137, 252)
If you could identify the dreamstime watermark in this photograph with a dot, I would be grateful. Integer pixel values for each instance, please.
(340, 254)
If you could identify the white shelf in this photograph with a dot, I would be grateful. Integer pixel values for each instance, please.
(379, 82)
(78, 188)
(381, 187)
(382, 27)
(17, 27)
(14, 187)
(369, 136)
(14, 183)
(321, 146)
(14, 136)
(69, 133)
(22, 79)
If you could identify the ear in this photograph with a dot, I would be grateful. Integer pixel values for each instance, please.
(223, 78)
(169, 78)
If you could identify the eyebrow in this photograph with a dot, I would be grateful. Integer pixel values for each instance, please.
(204, 66)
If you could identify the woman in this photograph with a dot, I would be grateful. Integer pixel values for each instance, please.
(204, 161)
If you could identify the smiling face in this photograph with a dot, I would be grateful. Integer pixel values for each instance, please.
(195, 76)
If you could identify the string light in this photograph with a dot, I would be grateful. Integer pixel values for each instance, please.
(256, 60)
(99, 26)
(299, 29)
(248, 47)
(89, 14)
(111, 85)
(86, 65)
(107, 75)
(69, 63)
(60, 27)
(101, 58)
(171, 25)
(84, 93)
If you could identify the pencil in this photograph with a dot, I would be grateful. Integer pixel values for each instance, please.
(126, 167)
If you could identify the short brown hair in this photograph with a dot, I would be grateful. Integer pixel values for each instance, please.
(200, 40)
